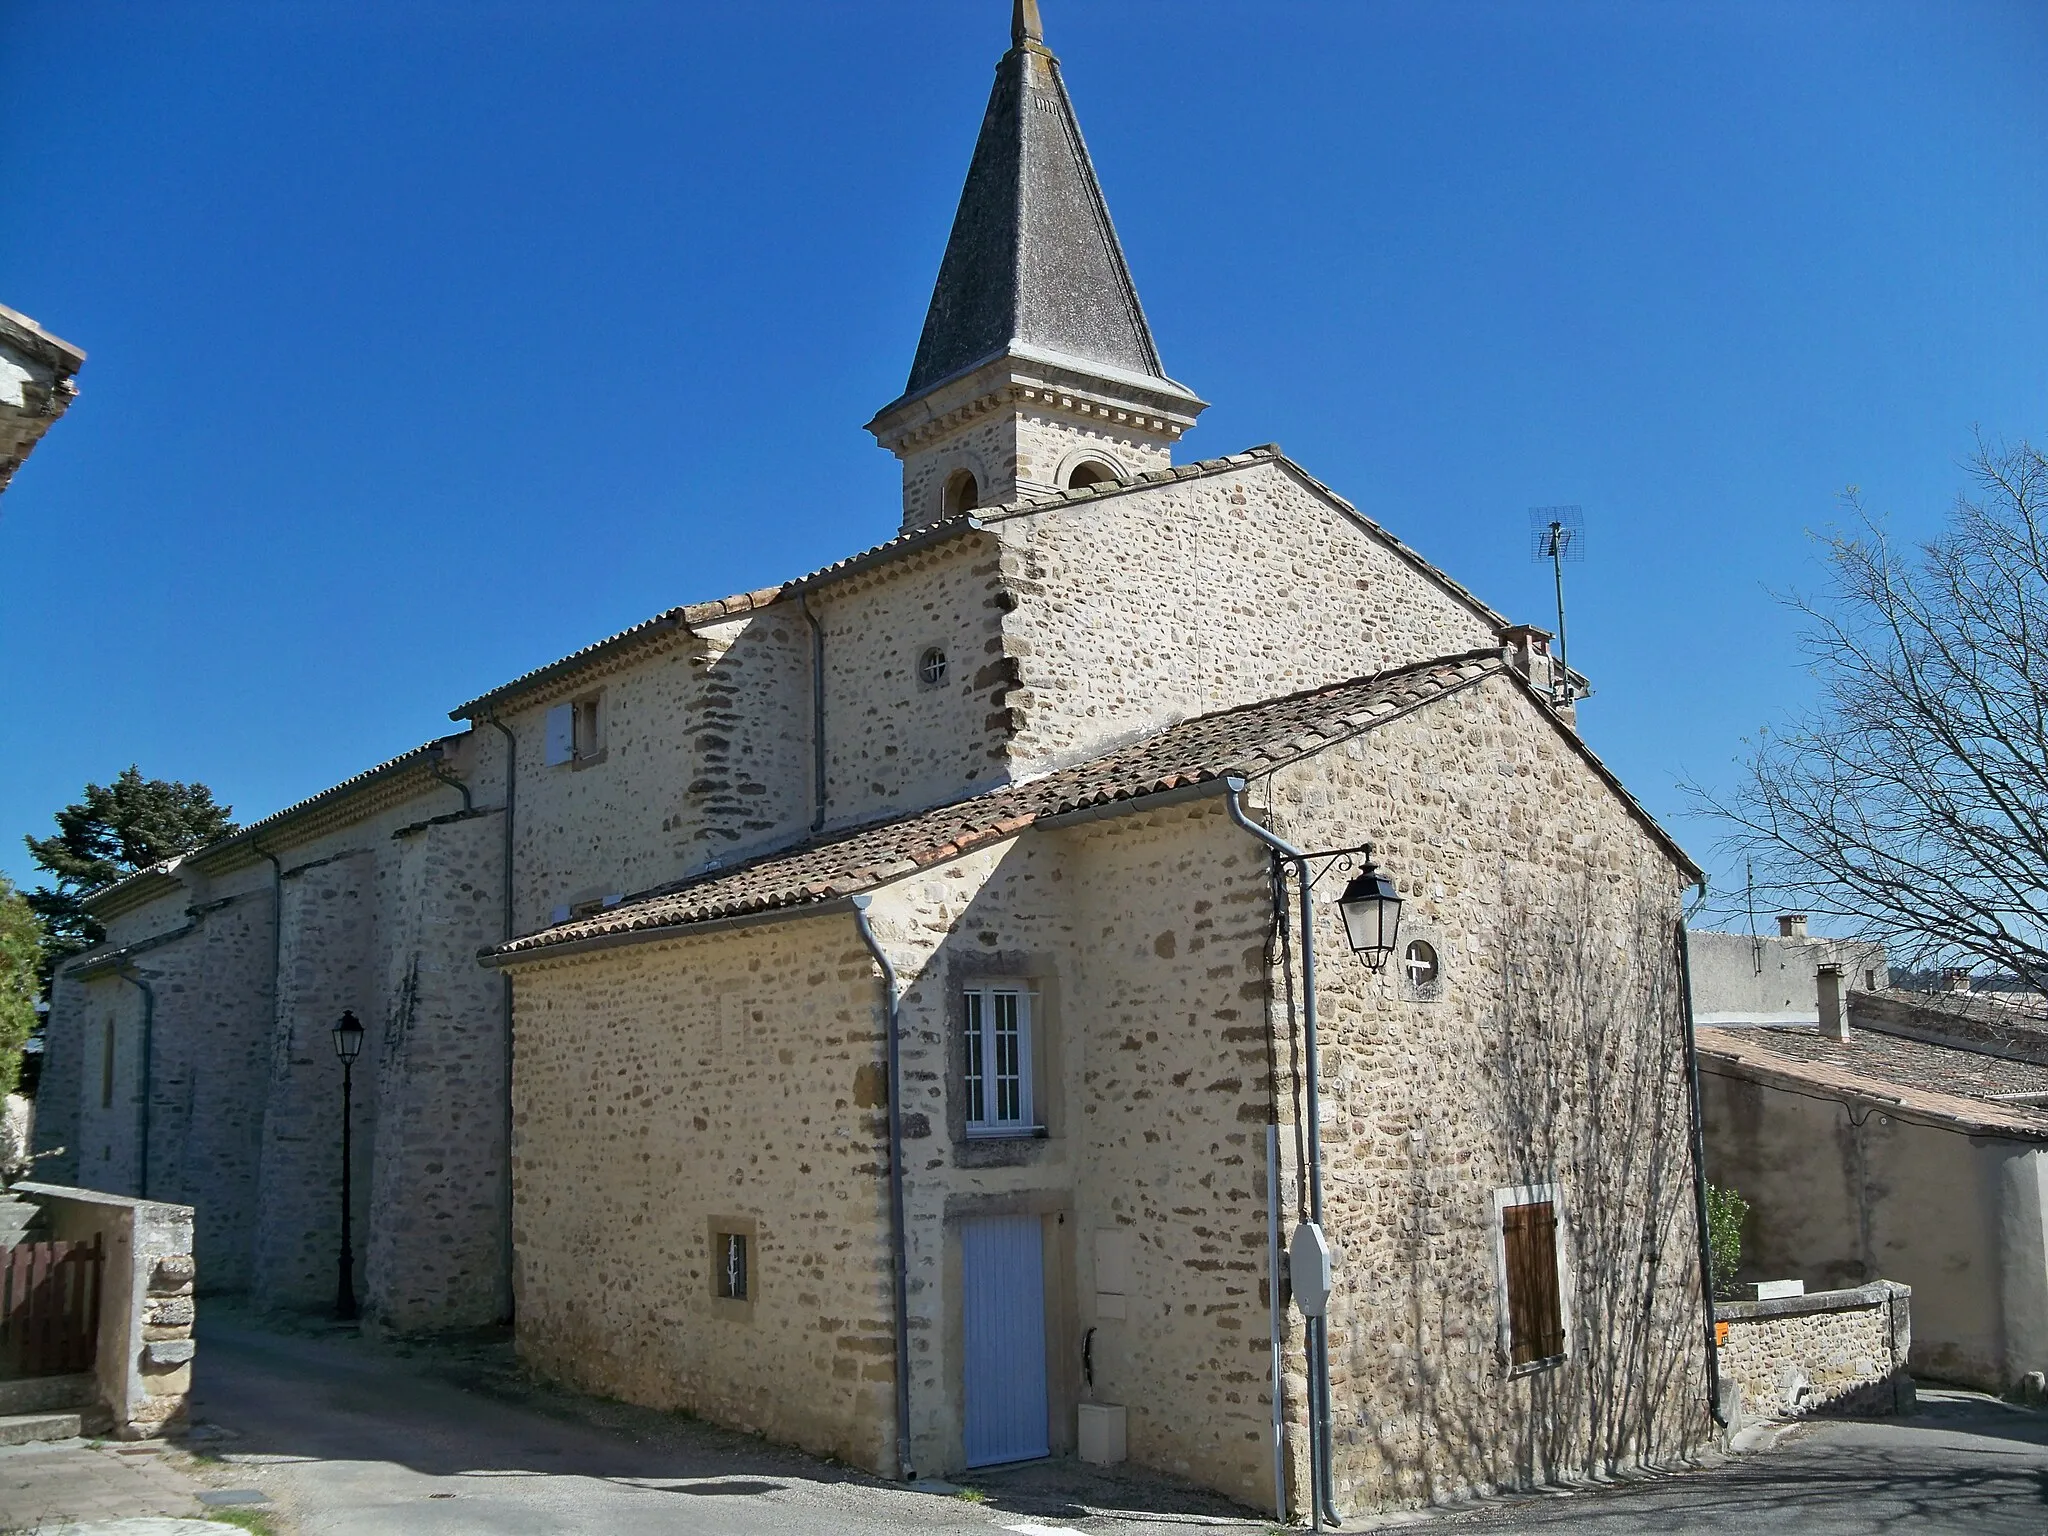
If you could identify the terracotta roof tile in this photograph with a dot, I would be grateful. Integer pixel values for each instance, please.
(1249, 740)
(1939, 1081)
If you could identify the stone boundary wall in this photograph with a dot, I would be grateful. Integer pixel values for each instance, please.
(1828, 1352)
(146, 1307)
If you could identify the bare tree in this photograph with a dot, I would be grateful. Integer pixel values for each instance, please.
(1911, 802)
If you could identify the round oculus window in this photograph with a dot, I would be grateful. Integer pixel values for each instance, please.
(931, 667)
(1420, 965)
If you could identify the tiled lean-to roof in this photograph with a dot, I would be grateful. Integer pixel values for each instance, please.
(1247, 741)
(1969, 1089)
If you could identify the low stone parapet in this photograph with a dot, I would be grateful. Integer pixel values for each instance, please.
(144, 1364)
(1828, 1352)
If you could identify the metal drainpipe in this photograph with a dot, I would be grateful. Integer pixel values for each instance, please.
(803, 602)
(1324, 1499)
(899, 1258)
(1699, 1175)
(505, 1255)
(448, 776)
(148, 1065)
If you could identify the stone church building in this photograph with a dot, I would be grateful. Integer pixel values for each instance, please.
(869, 1011)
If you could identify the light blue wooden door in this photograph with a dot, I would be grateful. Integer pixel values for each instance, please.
(1002, 1275)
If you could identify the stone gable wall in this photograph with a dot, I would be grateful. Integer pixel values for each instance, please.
(1141, 609)
(662, 1087)
(1551, 1052)
(892, 743)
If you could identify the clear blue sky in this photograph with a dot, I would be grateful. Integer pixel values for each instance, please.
(430, 341)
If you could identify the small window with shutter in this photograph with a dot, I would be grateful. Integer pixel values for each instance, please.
(1529, 1257)
(575, 731)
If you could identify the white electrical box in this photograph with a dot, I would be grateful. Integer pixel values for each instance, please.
(1102, 1434)
(1308, 1269)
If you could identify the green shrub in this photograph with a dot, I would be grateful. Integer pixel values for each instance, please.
(1726, 1211)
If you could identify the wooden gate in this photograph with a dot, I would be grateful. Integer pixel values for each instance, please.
(49, 1308)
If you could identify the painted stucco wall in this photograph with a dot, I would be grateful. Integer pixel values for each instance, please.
(1837, 1202)
(1551, 1053)
(1771, 980)
(662, 1087)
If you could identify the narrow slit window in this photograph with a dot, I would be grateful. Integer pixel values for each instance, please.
(998, 1061)
(730, 1270)
(107, 1067)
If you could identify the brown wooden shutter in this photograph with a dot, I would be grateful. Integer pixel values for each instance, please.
(1535, 1315)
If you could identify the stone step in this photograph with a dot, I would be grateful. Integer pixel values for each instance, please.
(21, 1428)
(48, 1394)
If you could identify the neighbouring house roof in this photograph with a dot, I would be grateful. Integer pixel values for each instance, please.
(32, 397)
(662, 626)
(1247, 741)
(394, 773)
(1972, 1090)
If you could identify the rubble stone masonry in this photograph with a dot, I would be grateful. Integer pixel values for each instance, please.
(666, 1092)
(1550, 1052)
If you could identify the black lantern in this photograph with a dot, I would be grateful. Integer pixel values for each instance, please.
(348, 1039)
(1372, 913)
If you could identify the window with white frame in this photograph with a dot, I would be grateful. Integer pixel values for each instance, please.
(1529, 1261)
(998, 1046)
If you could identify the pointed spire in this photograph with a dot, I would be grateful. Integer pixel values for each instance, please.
(1033, 266)
(1025, 27)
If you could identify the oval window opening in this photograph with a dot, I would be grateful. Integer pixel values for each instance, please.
(1421, 966)
(931, 667)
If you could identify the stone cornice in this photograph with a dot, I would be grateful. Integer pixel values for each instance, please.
(1089, 396)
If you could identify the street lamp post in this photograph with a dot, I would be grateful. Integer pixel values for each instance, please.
(348, 1045)
(1371, 909)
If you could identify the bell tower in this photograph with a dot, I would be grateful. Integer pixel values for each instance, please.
(1036, 371)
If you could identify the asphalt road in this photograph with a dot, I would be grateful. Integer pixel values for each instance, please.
(1964, 1463)
(351, 1441)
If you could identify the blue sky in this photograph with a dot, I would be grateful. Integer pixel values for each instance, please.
(431, 341)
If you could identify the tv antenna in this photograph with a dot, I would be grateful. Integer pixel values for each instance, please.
(1558, 534)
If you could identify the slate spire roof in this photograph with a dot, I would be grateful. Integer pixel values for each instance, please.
(1033, 263)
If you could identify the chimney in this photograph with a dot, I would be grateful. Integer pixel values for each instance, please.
(1791, 925)
(1834, 1004)
(1527, 649)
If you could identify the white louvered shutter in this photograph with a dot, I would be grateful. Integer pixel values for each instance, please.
(561, 744)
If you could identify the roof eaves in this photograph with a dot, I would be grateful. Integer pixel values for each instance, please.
(128, 892)
(658, 627)
(1758, 1064)
(1607, 775)
(687, 618)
